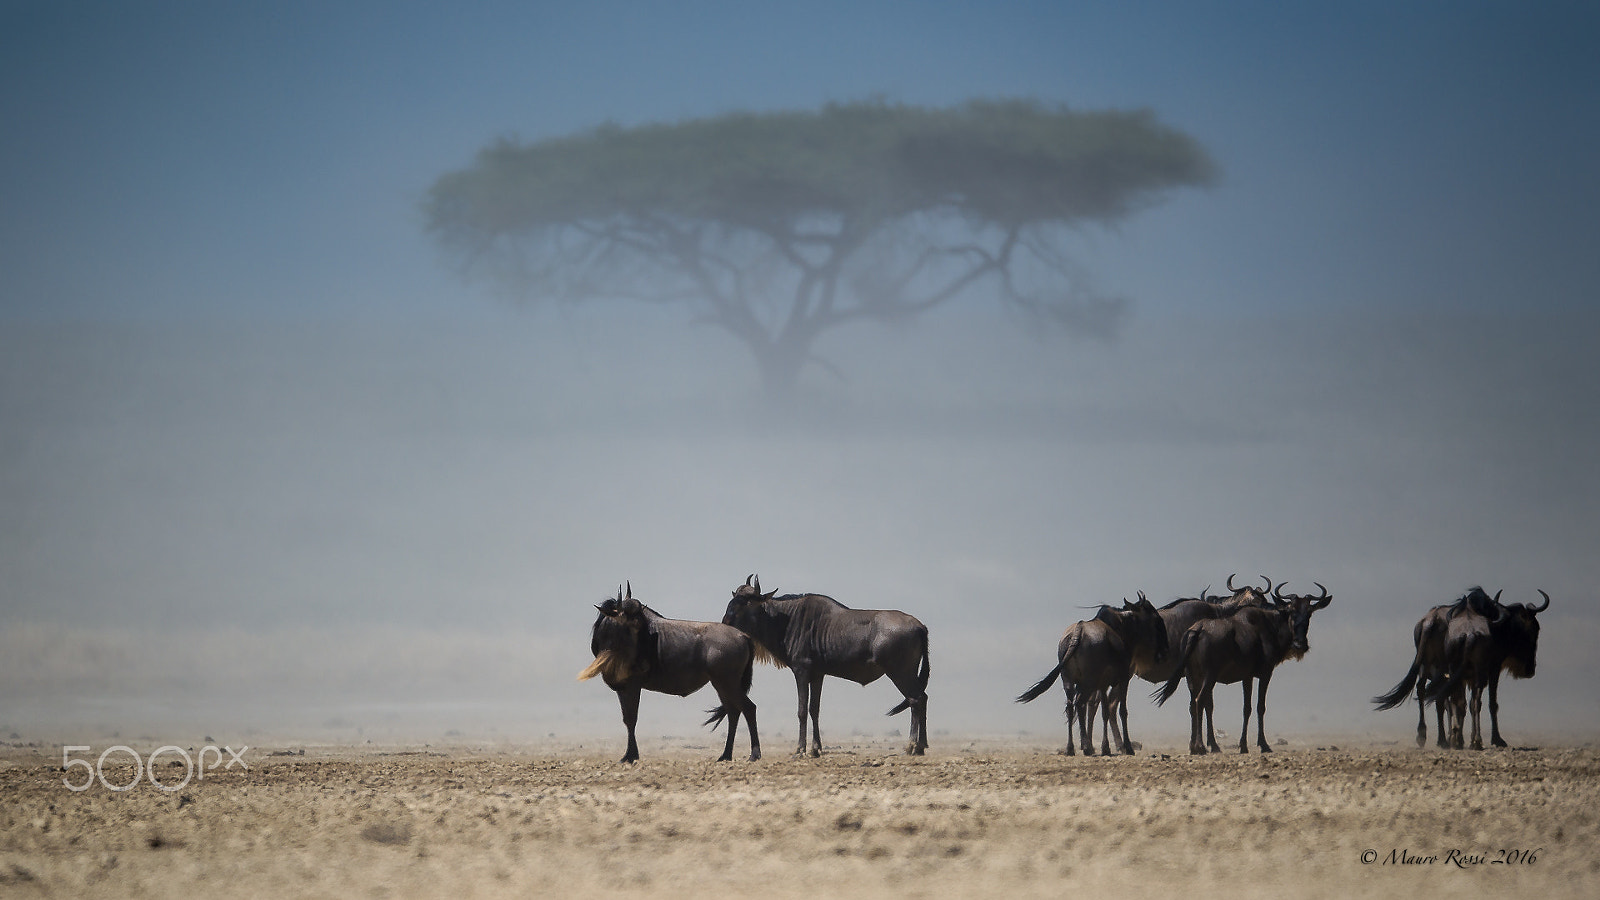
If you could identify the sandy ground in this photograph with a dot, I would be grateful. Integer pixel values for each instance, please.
(976, 817)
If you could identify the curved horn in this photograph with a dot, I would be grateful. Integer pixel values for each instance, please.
(1326, 597)
(630, 589)
(1277, 592)
(1231, 588)
(1205, 592)
(758, 583)
(1269, 585)
(619, 593)
(747, 580)
(1540, 609)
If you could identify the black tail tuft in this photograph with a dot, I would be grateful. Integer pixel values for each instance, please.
(1398, 694)
(922, 682)
(717, 715)
(1039, 687)
(1185, 647)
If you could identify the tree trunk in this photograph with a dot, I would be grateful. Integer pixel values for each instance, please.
(780, 364)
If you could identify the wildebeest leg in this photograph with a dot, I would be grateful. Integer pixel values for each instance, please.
(1122, 710)
(1071, 710)
(1261, 715)
(1494, 712)
(1441, 739)
(816, 715)
(1209, 702)
(735, 704)
(629, 698)
(1422, 714)
(1458, 716)
(917, 742)
(749, 708)
(1208, 710)
(802, 684)
(1197, 707)
(1244, 729)
(1087, 702)
(1106, 714)
(919, 721)
(1117, 708)
(1477, 711)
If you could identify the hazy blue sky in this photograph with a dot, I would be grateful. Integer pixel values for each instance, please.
(251, 425)
(216, 156)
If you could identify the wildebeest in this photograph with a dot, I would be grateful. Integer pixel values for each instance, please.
(1476, 648)
(1428, 664)
(1245, 645)
(815, 636)
(1095, 660)
(1181, 614)
(636, 648)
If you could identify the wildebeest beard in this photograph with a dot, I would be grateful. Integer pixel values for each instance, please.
(763, 655)
(619, 651)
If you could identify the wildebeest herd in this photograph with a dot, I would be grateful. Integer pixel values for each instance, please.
(1238, 637)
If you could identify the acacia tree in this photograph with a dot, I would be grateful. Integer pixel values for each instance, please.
(779, 227)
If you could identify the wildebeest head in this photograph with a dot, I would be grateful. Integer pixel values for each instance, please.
(1150, 629)
(1517, 628)
(1247, 595)
(617, 639)
(1299, 607)
(745, 604)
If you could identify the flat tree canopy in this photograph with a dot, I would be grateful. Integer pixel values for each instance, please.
(778, 227)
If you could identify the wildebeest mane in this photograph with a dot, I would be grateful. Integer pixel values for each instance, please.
(820, 596)
(763, 655)
(1107, 614)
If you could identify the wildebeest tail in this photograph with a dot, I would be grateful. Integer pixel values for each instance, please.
(1185, 647)
(1043, 685)
(745, 680)
(1071, 647)
(1398, 694)
(717, 715)
(922, 682)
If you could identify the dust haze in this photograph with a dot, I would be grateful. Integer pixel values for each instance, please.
(269, 466)
(400, 532)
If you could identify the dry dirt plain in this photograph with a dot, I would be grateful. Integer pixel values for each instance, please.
(977, 817)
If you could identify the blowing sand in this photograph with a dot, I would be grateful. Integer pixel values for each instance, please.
(976, 817)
